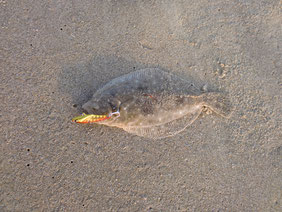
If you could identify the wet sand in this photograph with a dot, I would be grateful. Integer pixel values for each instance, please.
(56, 54)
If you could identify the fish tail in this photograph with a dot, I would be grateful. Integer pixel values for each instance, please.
(218, 102)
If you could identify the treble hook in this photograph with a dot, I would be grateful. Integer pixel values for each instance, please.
(112, 113)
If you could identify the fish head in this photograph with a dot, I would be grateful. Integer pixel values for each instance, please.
(101, 106)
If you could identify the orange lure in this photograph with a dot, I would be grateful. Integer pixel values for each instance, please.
(89, 118)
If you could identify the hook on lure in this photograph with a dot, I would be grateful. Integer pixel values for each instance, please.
(91, 118)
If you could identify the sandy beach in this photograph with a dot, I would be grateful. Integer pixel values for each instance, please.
(56, 54)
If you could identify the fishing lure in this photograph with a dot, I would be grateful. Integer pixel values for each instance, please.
(91, 118)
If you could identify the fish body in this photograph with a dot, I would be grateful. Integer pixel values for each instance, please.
(153, 103)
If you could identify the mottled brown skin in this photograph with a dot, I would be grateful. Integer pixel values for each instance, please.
(148, 98)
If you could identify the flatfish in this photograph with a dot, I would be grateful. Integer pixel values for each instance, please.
(153, 103)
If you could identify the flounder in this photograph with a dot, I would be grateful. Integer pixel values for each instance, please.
(153, 103)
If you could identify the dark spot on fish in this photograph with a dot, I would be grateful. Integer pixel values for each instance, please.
(146, 105)
(180, 99)
(147, 110)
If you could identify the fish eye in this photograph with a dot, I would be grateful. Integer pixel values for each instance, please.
(114, 108)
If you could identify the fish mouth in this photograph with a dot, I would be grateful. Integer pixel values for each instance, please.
(84, 111)
(92, 112)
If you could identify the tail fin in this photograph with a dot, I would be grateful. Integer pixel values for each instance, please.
(218, 102)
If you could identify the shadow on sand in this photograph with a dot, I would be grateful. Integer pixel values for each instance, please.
(82, 80)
